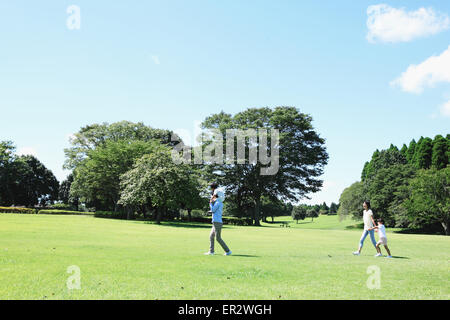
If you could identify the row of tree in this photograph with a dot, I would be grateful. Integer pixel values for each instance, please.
(129, 167)
(407, 187)
(24, 180)
(301, 212)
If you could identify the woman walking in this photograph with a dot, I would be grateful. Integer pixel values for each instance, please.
(369, 223)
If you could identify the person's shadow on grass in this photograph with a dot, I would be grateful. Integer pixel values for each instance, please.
(244, 255)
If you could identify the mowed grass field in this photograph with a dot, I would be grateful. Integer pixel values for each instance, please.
(138, 260)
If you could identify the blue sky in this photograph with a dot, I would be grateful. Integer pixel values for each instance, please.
(171, 63)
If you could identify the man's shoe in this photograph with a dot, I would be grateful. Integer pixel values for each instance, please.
(356, 253)
(378, 255)
(209, 253)
(227, 253)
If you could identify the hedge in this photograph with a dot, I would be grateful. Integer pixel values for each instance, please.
(118, 215)
(226, 220)
(64, 212)
(238, 221)
(62, 206)
(110, 215)
(17, 210)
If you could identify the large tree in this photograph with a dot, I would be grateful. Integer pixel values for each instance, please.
(386, 191)
(7, 159)
(100, 153)
(24, 180)
(96, 135)
(351, 200)
(157, 179)
(97, 177)
(302, 157)
(35, 183)
(429, 199)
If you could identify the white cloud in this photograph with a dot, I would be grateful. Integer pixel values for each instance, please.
(388, 24)
(445, 109)
(27, 151)
(426, 74)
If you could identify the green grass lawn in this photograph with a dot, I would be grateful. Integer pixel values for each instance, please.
(138, 260)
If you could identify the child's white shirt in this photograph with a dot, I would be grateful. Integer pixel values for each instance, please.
(382, 231)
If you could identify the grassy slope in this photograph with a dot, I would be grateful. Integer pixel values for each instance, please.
(138, 260)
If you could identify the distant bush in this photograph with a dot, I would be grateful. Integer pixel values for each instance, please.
(238, 221)
(63, 206)
(110, 215)
(66, 212)
(17, 210)
(198, 213)
(200, 219)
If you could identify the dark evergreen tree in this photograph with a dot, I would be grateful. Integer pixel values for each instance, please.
(439, 158)
(423, 153)
(411, 151)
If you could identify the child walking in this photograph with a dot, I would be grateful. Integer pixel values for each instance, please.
(382, 239)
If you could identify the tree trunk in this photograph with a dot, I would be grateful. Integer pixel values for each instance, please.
(257, 211)
(445, 225)
(159, 215)
(129, 213)
(189, 214)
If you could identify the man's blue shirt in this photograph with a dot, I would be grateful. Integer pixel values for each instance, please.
(216, 208)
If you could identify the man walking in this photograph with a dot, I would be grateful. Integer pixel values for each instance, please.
(216, 208)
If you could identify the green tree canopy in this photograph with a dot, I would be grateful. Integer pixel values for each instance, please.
(299, 213)
(424, 153)
(302, 157)
(351, 200)
(429, 199)
(96, 135)
(439, 158)
(157, 179)
(97, 176)
(24, 180)
(386, 190)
